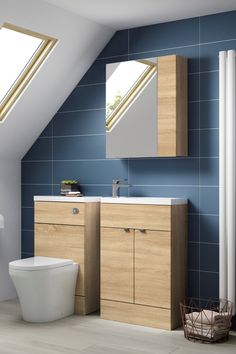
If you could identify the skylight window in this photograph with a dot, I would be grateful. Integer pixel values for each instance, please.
(22, 53)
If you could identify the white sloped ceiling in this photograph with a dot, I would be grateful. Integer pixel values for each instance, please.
(79, 42)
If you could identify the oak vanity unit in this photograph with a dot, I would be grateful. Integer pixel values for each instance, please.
(70, 228)
(143, 260)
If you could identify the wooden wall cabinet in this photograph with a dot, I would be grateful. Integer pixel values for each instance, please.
(72, 230)
(143, 263)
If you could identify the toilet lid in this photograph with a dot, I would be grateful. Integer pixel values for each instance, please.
(39, 263)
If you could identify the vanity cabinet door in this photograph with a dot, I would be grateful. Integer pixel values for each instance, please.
(152, 268)
(62, 241)
(117, 264)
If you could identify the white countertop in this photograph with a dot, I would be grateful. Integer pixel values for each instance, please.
(111, 200)
(61, 198)
(144, 200)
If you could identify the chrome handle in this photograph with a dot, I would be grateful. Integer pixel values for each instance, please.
(143, 231)
(127, 229)
(75, 211)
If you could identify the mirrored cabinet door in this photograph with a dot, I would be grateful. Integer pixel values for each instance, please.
(146, 107)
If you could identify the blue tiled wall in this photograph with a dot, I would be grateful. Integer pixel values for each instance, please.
(73, 144)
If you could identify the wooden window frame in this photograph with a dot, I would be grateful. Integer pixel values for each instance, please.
(28, 73)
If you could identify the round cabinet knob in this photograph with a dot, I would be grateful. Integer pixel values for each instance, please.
(142, 230)
(75, 211)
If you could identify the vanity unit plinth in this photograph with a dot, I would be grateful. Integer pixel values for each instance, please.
(143, 262)
(66, 228)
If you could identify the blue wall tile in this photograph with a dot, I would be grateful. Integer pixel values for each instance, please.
(191, 52)
(36, 172)
(164, 35)
(193, 284)
(193, 87)
(193, 228)
(209, 257)
(193, 256)
(29, 191)
(209, 143)
(27, 218)
(90, 172)
(26, 255)
(79, 123)
(164, 171)
(82, 147)
(209, 114)
(117, 46)
(209, 225)
(48, 130)
(96, 74)
(85, 97)
(209, 285)
(209, 85)
(41, 150)
(190, 193)
(209, 172)
(209, 54)
(193, 143)
(193, 115)
(79, 146)
(209, 200)
(218, 27)
(27, 241)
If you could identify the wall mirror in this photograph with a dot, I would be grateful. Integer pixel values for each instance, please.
(146, 107)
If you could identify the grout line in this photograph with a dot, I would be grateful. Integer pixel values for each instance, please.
(94, 84)
(204, 243)
(104, 82)
(149, 51)
(82, 110)
(201, 214)
(72, 136)
(202, 271)
(209, 100)
(202, 129)
(204, 72)
(124, 159)
(104, 134)
(170, 48)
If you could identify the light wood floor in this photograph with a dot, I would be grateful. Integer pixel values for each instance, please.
(91, 335)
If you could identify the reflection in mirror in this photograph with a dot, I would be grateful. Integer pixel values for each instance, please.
(131, 88)
(146, 107)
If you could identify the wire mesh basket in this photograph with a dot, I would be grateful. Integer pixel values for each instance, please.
(206, 321)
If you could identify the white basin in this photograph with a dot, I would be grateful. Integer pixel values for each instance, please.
(144, 200)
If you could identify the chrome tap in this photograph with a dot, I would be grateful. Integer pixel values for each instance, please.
(116, 184)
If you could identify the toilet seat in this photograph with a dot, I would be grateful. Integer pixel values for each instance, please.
(39, 263)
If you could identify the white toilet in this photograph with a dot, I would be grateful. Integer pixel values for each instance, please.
(45, 287)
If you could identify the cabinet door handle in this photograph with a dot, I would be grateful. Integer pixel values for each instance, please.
(127, 229)
(75, 211)
(143, 231)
